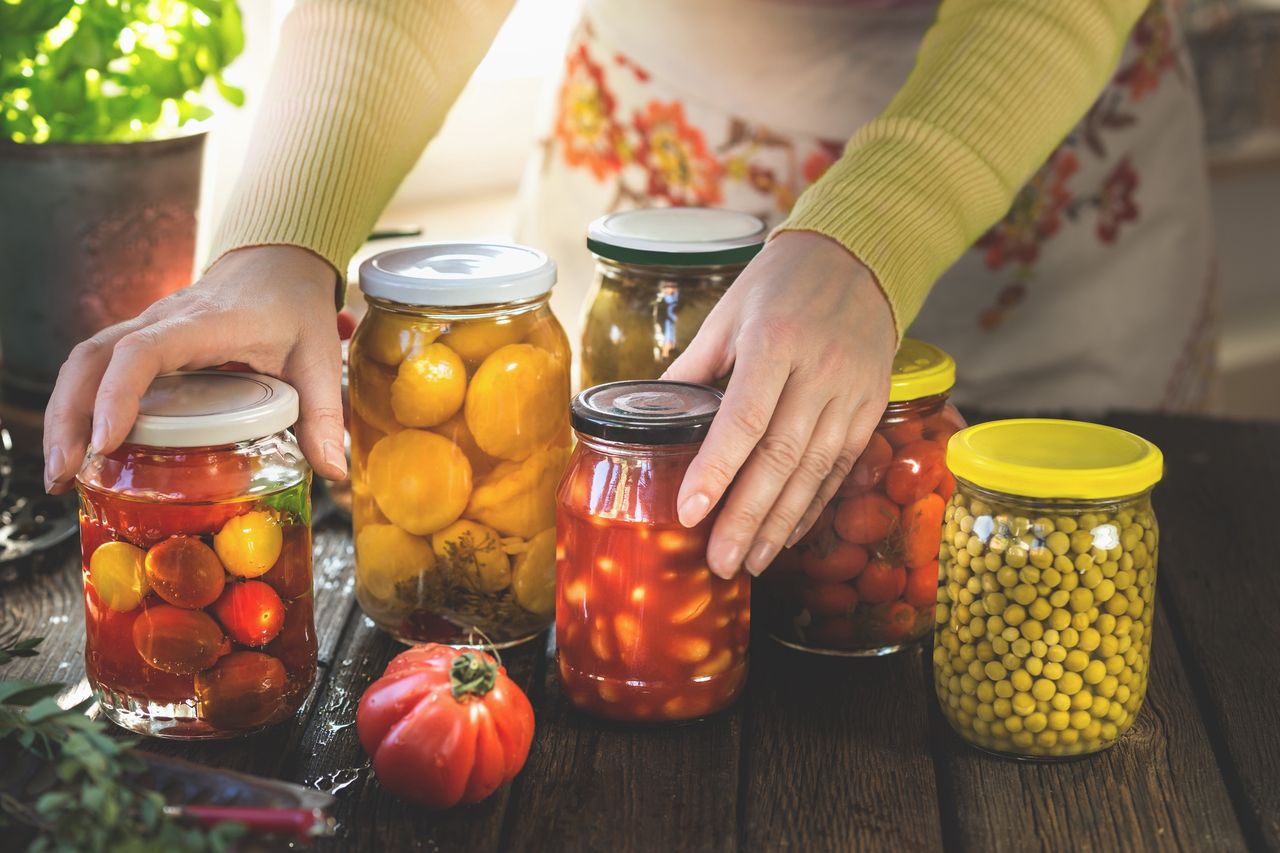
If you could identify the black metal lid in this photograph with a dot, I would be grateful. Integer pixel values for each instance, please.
(652, 411)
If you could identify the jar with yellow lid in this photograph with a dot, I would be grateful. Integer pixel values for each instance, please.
(1043, 637)
(659, 272)
(459, 378)
(864, 579)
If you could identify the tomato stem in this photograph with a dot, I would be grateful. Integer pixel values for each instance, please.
(472, 674)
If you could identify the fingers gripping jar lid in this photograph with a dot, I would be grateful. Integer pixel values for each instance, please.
(208, 408)
(457, 274)
(677, 236)
(646, 412)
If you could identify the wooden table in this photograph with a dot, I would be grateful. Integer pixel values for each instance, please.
(830, 753)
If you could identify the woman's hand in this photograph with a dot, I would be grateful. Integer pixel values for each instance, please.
(810, 340)
(270, 307)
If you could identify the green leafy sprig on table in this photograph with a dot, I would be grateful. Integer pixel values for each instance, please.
(96, 803)
(112, 70)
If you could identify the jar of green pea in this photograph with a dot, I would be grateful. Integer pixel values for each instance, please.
(1042, 640)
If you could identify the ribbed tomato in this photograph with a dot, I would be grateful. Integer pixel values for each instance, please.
(445, 726)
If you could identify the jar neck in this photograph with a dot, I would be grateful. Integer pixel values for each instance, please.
(1049, 505)
(637, 274)
(636, 451)
(134, 451)
(460, 312)
(915, 408)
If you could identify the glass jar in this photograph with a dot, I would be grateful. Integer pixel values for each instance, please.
(1043, 638)
(659, 272)
(864, 579)
(459, 394)
(196, 544)
(645, 631)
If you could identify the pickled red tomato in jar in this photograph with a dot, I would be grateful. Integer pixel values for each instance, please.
(196, 545)
(645, 631)
(864, 579)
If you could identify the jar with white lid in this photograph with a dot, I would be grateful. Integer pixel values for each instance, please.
(459, 388)
(196, 544)
(659, 272)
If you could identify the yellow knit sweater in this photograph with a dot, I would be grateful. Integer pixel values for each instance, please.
(361, 86)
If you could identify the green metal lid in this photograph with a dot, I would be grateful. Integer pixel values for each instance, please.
(677, 236)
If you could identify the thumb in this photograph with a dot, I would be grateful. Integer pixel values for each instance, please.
(316, 372)
(708, 356)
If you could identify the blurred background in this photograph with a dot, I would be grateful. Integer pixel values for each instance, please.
(465, 184)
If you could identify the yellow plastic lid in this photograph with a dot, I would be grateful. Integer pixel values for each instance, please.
(920, 370)
(1041, 458)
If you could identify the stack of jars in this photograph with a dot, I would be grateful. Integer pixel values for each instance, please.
(459, 394)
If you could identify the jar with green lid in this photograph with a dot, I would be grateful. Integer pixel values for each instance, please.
(1043, 639)
(864, 580)
(659, 272)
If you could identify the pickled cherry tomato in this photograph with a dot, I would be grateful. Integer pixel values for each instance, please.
(185, 572)
(251, 613)
(901, 433)
(915, 471)
(295, 645)
(116, 572)
(869, 470)
(248, 545)
(290, 577)
(881, 581)
(899, 621)
(177, 641)
(829, 599)
(843, 561)
(866, 518)
(922, 585)
(245, 690)
(921, 530)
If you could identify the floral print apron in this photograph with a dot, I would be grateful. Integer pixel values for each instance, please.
(1094, 292)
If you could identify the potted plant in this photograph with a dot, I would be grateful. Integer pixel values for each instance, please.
(100, 160)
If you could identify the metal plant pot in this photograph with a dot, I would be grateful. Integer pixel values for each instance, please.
(90, 234)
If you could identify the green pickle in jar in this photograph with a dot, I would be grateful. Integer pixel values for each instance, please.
(659, 272)
(1042, 642)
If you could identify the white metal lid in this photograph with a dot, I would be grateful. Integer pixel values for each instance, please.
(677, 235)
(206, 408)
(457, 274)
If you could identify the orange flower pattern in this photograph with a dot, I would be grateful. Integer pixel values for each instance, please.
(680, 168)
(585, 126)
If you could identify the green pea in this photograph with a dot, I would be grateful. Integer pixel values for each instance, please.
(1081, 599)
(1058, 542)
(1007, 576)
(1081, 542)
(1066, 524)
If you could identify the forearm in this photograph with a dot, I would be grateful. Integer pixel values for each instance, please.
(996, 86)
(357, 90)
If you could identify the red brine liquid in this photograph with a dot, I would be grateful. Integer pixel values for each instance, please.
(645, 631)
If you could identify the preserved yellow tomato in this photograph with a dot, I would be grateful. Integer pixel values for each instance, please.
(249, 545)
(421, 480)
(534, 574)
(518, 498)
(455, 429)
(116, 572)
(516, 402)
(371, 395)
(474, 551)
(429, 387)
(390, 338)
(387, 555)
(476, 339)
(549, 336)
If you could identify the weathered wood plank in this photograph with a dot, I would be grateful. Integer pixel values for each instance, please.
(594, 785)
(1158, 788)
(837, 753)
(1219, 512)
